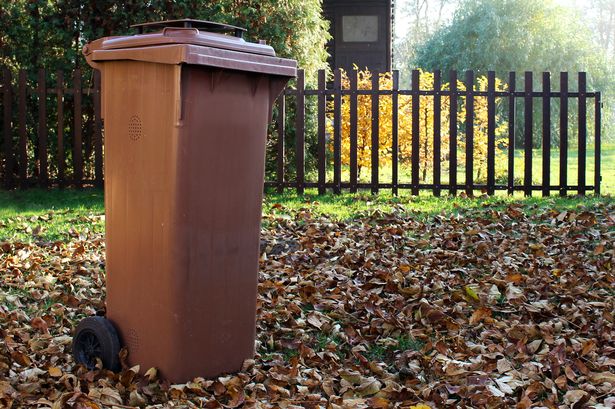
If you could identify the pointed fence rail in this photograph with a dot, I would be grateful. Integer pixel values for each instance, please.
(51, 133)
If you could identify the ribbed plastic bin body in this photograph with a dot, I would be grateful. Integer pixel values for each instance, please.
(185, 136)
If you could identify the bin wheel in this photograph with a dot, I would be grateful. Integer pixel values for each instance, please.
(95, 337)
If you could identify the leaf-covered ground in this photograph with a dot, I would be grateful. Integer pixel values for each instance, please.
(497, 306)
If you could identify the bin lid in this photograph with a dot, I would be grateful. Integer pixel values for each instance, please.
(192, 42)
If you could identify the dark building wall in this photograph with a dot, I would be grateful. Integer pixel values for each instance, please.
(362, 32)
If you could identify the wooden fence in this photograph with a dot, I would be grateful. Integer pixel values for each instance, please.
(75, 157)
(329, 109)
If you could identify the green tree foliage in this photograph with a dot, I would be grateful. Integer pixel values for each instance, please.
(422, 18)
(40, 32)
(518, 35)
(508, 35)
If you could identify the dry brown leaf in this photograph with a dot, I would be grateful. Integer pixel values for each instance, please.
(480, 315)
(55, 372)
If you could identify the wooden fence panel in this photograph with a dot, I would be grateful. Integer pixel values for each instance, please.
(416, 108)
(437, 141)
(395, 134)
(23, 136)
(375, 130)
(281, 128)
(491, 132)
(337, 132)
(60, 158)
(453, 135)
(353, 131)
(597, 142)
(512, 102)
(43, 175)
(469, 132)
(300, 132)
(546, 134)
(322, 130)
(77, 130)
(582, 133)
(8, 127)
(528, 132)
(563, 134)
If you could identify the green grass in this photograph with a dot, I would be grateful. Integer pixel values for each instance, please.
(607, 169)
(50, 215)
(380, 352)
(350, 206)
(40, 215)
(37, 201)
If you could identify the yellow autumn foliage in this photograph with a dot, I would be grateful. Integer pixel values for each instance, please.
(426, 125)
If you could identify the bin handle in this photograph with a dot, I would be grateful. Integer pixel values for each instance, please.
(191, 23)
(164, 30)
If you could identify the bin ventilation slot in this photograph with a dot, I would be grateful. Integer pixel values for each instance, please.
(135, 129)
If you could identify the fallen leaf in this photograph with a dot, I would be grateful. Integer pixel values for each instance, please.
(480, 315)
(55, 372)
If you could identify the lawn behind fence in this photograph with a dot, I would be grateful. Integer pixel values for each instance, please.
(405, 176)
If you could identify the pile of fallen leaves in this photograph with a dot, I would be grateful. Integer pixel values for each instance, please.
(498, 307)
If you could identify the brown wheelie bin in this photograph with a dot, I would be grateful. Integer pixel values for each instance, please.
(186, 110)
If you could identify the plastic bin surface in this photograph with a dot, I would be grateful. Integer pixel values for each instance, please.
(185, 134)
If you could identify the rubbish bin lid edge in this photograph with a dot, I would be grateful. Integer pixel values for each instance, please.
(204, 56)
(176, 35)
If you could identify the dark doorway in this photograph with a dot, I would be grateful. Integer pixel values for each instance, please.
(361, 32)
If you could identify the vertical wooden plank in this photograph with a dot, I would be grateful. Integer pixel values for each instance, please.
(98, 141)
(8, 128)
(546, 134)
(300, 132)
(597, 143)
(322, 148)
(437, 137)
(43, 175)
(337, 132)
(281, 128)
(23, 136)
(353, 131)
(529, 121)
(512, 87)
(452, 172)
(375, 130)
(470, 133)
(563, 134)
(491, 132)
(395, 134)
(77, 130)
(416, 143)
(582, 133)
(60, 108)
